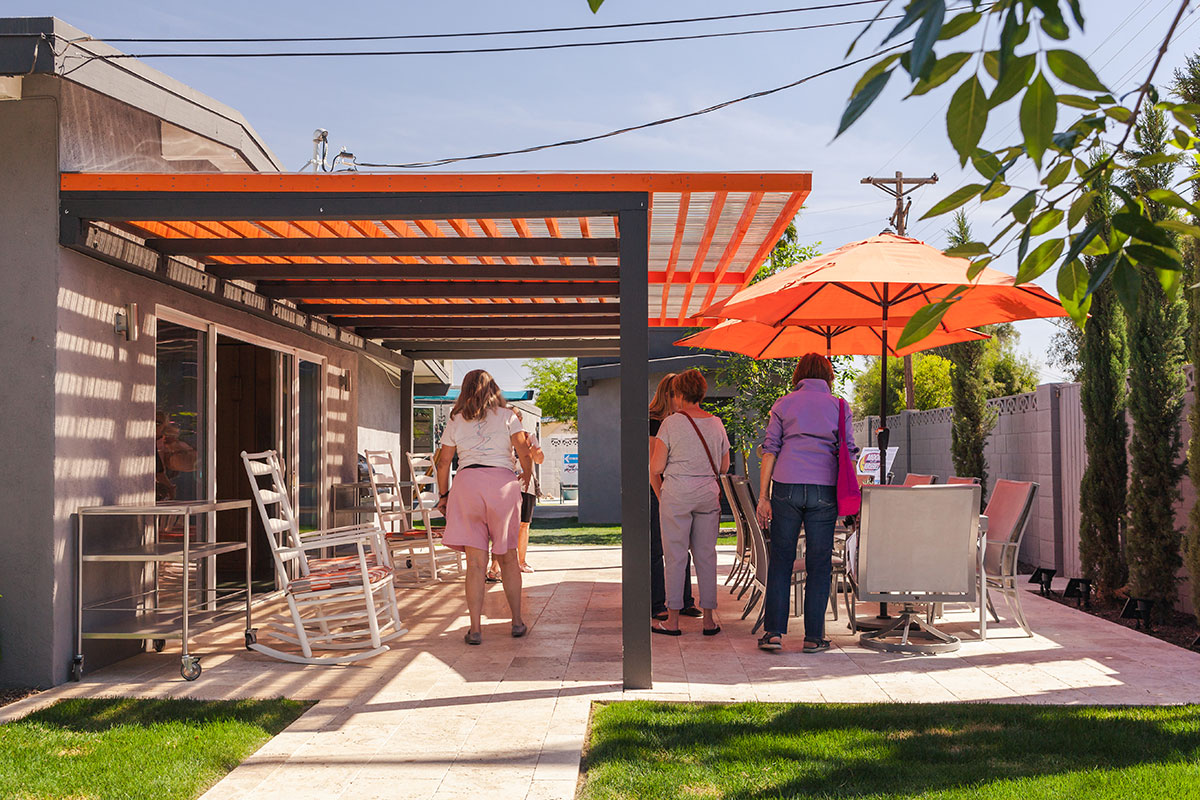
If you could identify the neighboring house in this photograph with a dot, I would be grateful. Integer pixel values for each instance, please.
(599, 388)
(432, 412)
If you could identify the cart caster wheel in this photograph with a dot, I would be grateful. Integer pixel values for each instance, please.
(159, 644)
(190, 668)
(251, 637)
(77, 668)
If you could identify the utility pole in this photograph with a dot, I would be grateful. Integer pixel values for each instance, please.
(899, 187)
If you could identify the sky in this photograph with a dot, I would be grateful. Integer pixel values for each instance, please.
(411, 108)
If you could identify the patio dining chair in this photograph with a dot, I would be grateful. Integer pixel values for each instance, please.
(916, 479)
(415, 552)
(341, 603)
(1008, 512)
(917, 545)
(740, 572)
(955, 480)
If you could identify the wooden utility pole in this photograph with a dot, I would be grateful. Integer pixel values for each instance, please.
(899, 187)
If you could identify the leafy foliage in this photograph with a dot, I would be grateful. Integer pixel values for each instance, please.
(553, 383)
(1104, 360)
(1156, 394)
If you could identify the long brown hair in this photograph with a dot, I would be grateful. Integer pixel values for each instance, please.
(660, 406)
(479, 394)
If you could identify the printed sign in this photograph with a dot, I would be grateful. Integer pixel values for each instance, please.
(570, 468)
(868, 460)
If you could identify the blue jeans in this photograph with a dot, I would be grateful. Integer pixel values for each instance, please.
(815, 508)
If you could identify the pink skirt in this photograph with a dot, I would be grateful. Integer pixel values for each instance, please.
(484, 505)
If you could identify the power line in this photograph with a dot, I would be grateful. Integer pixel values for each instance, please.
(478, 50)
(518, 32)
(664, 121)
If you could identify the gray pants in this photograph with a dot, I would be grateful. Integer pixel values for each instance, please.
(686, 527)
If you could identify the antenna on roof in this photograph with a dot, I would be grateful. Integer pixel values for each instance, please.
(320, 142)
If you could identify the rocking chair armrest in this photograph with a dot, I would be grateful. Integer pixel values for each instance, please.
(362, 527)
(366, 538)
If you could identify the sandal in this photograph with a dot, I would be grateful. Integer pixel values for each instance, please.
(770, 642)
(473, 637)
(526, 568)
(519, 630)
(712, 631)
(691, 611)
(665, 631)
(815, 645)
(491, 577)
(661, 616)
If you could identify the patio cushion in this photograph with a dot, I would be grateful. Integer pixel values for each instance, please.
(413, 533)
(337, 578)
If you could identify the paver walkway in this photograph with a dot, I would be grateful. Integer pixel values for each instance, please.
(434, 718)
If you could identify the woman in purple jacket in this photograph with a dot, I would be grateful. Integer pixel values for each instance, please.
(799, 489)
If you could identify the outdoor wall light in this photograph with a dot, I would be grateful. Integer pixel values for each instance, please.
(1043, 576)
(1138, 609)
(125, 322)
(344, 381)
(1081, 590)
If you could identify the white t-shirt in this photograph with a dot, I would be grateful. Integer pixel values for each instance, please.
(486, 441)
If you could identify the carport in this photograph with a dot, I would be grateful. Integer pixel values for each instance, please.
(459, 266)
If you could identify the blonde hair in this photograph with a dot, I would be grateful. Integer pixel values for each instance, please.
(660, 406)
(479, 394)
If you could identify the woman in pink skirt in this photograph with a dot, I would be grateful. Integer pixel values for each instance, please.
(485, 505)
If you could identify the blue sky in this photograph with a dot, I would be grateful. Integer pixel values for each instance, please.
(389, 109)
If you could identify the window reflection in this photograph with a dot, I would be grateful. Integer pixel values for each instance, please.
(179, 419)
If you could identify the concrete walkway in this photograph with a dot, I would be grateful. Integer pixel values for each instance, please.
(434, 718)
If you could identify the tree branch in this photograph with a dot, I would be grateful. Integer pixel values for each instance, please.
(1162, 51)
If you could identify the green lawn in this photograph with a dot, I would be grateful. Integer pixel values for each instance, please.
(748, 751)
(568, 531)
(120, 748)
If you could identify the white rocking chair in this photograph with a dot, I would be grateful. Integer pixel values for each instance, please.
(339, 603)
(414, 551)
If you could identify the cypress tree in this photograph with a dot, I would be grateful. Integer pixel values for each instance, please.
(1156, 359)
(972, 420)
(1105, 358)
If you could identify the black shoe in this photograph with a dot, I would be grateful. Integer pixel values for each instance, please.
(691, 611)
(661, 616)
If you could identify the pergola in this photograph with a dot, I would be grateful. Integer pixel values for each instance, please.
(462, 266)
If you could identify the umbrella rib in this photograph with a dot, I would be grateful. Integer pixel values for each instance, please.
(877, 300)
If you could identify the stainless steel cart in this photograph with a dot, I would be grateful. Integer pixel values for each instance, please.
(146, 614)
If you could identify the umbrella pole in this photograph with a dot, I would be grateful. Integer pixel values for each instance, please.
(883, 434)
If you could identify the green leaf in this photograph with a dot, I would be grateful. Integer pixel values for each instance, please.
(1101, 270)
(1058, 174)
(594, 5)
(967, 117)
(1141, 228)
(926, 36)
(1056, 28)
(1078, 101)
(874, 70)
(1185, 119)
(1071, 68)
(960, 25)
(978, 266)
(915, 10)
(943, 70)
(1080, 206)
(1041, 259)
(1154, 159)
(991, 63)
(1169, 279)
(861, 101)
(1073, 290)
(966, 250)
(1084, 238)
(1167, 197)
(1127, 282)
(1039, 112)
(1099, 247)
(1024, 207)
(1045, 222)
(1119, 113)
(994, 191)
(926, 320)
(1156, 257)
(1015, 77)
(1185, 228)
(955, 199)
(1077, 12)
(986, 164)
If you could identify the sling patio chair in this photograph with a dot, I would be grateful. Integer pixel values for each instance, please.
(955, 480)
(917, 545)
(415, 552)
(340, 603)
(1008, 512)
(740, 571)
(916, 479)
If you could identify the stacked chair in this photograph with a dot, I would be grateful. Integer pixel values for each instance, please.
(345, 603)
(416, 552)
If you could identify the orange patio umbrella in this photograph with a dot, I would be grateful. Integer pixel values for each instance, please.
(883, 281)
(759, 341)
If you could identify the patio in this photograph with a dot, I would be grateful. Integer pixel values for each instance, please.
(436, 719)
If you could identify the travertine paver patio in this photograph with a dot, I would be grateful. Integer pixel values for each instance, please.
(434, 718)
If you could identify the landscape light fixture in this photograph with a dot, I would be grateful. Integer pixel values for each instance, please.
(1138, 609)
(1081, 590)
(1043, 576)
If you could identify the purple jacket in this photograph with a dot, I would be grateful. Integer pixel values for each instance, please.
(802, 433)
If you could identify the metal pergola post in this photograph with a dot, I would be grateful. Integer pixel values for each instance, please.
(635, 431)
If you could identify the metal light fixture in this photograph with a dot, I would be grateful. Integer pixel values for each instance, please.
(1081, 590)
(347, 162)
(1138, 609)
(125, 322)
(344, 381)
(1043, 576)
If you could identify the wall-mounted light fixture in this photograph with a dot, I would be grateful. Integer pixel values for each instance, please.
(344, 381)
(126, 322)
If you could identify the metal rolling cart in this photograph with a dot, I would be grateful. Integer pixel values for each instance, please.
(153, 614)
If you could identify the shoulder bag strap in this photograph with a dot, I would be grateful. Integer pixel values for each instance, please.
(704, 446)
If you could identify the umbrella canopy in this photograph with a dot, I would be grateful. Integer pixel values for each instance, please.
(885, 278)
(757, 340)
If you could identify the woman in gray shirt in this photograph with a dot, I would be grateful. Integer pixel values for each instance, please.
(692, 450)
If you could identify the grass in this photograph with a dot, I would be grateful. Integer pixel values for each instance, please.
(568, 531)
(122, 748)
(748, 751)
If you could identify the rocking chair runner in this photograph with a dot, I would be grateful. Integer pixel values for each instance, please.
(341, 603)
